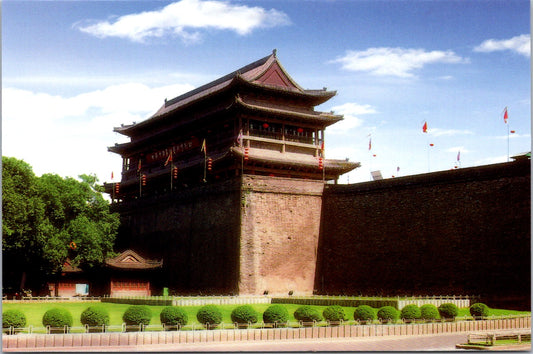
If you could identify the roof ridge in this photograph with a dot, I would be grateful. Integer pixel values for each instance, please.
(220, 80)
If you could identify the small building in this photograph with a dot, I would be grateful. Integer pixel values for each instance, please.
(127, 274)
(130, 274)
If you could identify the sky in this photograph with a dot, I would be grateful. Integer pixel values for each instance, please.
(73, 70)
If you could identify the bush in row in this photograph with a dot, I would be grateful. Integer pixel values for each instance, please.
(244, 314)
(277, 314)
(137, 315)
(429, 312)
(479, 310)
(13, 318)
(173, 316)
(364, 313)
(334, 313)
(95, 316)
(57, 317)
(410, 313)
(448, 311)
(307, 313)
(387, 314)
(209, 315)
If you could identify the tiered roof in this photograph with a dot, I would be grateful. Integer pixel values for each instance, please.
(266, 73)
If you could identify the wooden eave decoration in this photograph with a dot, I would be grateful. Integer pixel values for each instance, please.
(266, 73)
(129, 259)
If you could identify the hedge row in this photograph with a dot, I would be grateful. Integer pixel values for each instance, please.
(211, 316)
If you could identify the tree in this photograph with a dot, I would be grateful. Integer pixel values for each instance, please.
(22, 217)
(44, 217)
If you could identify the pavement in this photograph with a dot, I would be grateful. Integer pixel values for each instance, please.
(437, 342)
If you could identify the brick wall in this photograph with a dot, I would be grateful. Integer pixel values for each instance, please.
(279, 235)
(455, 232)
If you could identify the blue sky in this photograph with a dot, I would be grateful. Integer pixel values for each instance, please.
(73, 70)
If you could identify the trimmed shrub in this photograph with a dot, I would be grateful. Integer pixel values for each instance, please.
(429, 312)
(307, 313)
(244, 314)
(388, 314)
(364, 313)
(277, 314)
(13, 318)
(57, 317)
(137, 314)
(209, 314)
(173, 316)
(334, 313)
(95, 316)
(448, 311)
(410, 313)
(479, 310)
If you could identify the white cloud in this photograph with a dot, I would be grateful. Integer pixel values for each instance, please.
(398, 62)
(183, 18)
(351, 112)
(70, 135)
(448, 132)
(519, 44)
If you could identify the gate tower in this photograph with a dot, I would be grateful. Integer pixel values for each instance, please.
(244, 150)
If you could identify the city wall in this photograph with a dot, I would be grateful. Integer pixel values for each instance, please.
(455, 232)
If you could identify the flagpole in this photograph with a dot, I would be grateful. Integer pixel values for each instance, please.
(171, 177)
(505, 118)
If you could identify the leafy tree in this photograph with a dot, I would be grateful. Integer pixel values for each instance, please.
(22, 217)
(43, 217)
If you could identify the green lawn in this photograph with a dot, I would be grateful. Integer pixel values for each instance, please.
(35, 311)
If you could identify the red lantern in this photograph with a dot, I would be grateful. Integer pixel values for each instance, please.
(431, 144)
(117, 187)
(175, 173)
(320, 163)
(300, 130)
(209, 164)
(265, 125)
(72, 245)
(143, 180)
(513, 131)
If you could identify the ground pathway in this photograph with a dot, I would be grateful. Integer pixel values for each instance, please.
(434, 342)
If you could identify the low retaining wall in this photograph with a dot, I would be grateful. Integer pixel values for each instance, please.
(397, 303)
(88, 340)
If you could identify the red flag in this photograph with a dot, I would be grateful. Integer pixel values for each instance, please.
(370, 144)
(458, 155)
(425, 127)
(139, 165)
(112, 177)
(204, 148)
(505, 115)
